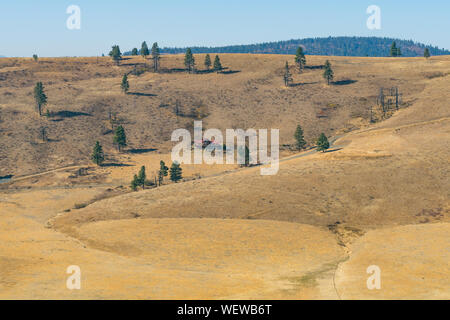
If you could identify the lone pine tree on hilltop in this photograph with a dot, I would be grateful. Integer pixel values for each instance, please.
(217, 64)
(98, 156)
(120, 138)
(328, 74)
(144, 50)
(299, 138)
(300, 59)
(156, 56)
(40, 97)
(189, 60)
(115, 54)
(322, 143)
(207, 62)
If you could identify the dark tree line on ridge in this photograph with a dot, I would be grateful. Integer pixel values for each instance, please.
(330, 46)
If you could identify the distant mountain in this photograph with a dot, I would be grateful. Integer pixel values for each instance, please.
(331, 46)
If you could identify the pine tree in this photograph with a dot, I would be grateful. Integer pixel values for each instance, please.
(163, 172)
(120, 138)
(134, 183)
(189, 60)
(426, 53)
(299, 138)
(207, 61)
(142, 177)
(175, 172)
(328, 74)
(125, 86)
(40, 97)
(300, 59)
(97, 155)
(395, 51)
(287, 75)
(35, 57)
(217, 64)
(43, 134)
(156, 56)
(244, 151)
(322, 143)
(134, 52)
(116, 54)
(144, 50)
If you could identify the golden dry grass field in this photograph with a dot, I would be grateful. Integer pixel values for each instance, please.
(380, 197)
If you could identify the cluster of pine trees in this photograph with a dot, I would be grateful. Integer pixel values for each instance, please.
(140, 179)
(119, 140)
(300, 61)
(322, 141)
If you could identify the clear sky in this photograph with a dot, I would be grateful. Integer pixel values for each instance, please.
(39, 26)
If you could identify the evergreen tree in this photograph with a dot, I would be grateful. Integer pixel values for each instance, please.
(217, 64)
(287, 75)
(189, 60)
(43, 134)
(120, 138)
(207, 62)
(244, 152)
(163, 172)
(300, 59)
(328, 74)
(395, 51)
(175, 172)
(134, 52)
(322, 143)
(40, 97)
(97, 155)
(144, 50)
(156, 56)
(142, 177)
(125, 86)
(299, 138)
(426, 53)
(115, 54)
(35, 57)
(134, 183)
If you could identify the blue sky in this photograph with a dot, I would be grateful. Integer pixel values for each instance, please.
(31, 26)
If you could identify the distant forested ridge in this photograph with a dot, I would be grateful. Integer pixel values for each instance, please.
(331, 46)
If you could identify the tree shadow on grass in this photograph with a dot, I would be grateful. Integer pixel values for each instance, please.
(140, 151)
(333, 150)
(141, 94)
(230, 71)
(314, 67)
(344, 82)
(112, 164)
(70, 114)
(302, 84)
